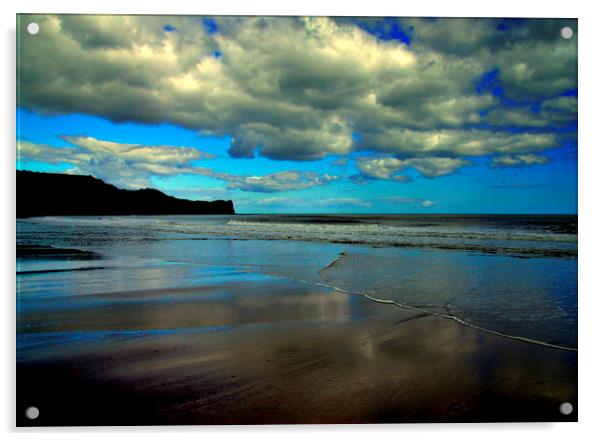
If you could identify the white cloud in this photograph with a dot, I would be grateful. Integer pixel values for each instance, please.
(299, 88)
(519, 160)
(424, 203)
(274, 182)
(310, 203)
(124, 165)
(379, 168)
(458, 142)
(132, 165)
(436, 166)
(389, 168)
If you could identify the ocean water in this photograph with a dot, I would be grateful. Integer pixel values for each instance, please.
(512, 275)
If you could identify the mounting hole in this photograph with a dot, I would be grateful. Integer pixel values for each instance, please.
(566, 33)
(33, 28)
(566, 408)
(32, 413)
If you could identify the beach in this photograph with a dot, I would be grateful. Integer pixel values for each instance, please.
(235, 339)
(285, 352)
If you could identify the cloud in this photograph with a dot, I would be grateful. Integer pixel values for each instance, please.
(533, 61)
(275, 182)
(124, 165)
(273, 201)
(340, 162)
(458, 142)
(285, 143)
(305, 202)
(388, 168)
(296, 88)
(519, 160)
(555, 112)
(436, 166)
(157, 154)
(424, 203)
(132, 165)
(379, 168)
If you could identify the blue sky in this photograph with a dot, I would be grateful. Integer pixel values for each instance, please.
(306, 115)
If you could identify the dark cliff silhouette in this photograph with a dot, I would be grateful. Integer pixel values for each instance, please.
(55, 194)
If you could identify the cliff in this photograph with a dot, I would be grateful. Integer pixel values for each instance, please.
(54, 194)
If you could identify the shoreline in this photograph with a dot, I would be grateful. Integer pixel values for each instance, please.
(464, 323)
(281, 352)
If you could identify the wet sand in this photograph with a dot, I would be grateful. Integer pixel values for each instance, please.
(273, 351)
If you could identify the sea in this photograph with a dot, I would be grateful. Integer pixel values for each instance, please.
(512, 275)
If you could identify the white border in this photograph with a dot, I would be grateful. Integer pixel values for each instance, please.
(590, 185)
(432, 8)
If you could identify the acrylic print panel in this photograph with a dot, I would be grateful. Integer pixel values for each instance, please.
(256, 220)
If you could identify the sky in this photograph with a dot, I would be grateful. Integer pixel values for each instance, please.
(307, 114)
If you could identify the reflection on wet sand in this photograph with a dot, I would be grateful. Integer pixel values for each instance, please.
(274, 351)
(232, 304)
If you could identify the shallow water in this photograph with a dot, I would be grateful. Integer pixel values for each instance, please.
(533, 299)
(512, 275)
